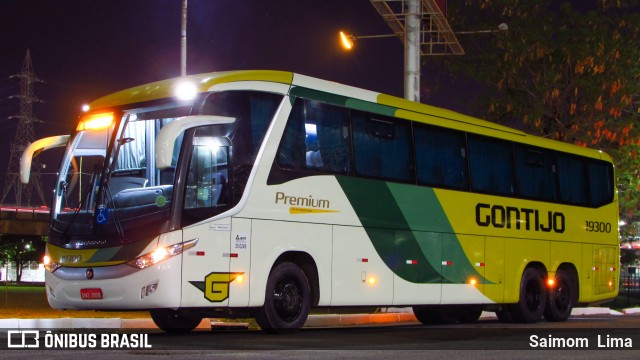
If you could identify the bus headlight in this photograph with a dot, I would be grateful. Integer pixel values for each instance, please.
(161, 254)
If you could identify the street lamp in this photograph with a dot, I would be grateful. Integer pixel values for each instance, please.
(412, 53)
(348, 41)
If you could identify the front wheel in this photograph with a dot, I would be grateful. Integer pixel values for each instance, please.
(561, 297)
(533, 297)
(175, 321)
(287, 300)
(470, 316)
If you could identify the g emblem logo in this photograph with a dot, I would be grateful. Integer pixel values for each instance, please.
(217, 286)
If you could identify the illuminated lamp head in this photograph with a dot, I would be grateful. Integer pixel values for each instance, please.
(185, 90)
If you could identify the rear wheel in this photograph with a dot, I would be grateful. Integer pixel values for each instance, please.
(287, 300)
(175, 321)
(561, 297)
(533, 297)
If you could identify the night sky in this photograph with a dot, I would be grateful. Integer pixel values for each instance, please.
(84, 49)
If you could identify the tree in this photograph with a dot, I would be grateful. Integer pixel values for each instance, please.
(20, 250)
(570, 73)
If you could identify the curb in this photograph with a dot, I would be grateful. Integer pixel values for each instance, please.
(357, 319)
(399, 316)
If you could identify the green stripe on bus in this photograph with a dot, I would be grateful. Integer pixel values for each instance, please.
(407, 227)
(340, 100)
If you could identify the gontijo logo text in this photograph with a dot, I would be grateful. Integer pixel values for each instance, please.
(304, 205)
(509, 217)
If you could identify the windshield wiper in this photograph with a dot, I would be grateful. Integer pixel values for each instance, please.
(84, 198)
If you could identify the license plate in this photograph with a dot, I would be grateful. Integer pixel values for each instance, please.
(91, 294)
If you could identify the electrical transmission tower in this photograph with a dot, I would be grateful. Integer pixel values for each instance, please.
(24, 136)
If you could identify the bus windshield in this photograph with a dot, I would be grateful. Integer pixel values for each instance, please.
(109, 190)
(104, 178)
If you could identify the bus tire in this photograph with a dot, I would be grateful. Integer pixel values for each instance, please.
(430, 316)
(561, 297)
(175, 321)
(287, 300)
(533, 298)
(504, 315)
(470, 316)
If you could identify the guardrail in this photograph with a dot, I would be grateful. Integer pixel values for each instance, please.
(629, 294)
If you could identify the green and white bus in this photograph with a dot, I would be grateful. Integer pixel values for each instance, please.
(266, 194)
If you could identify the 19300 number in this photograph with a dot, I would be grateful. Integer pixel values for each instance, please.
(598, 226)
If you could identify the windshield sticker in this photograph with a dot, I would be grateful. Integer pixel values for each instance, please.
(103, 215)
(161, 201)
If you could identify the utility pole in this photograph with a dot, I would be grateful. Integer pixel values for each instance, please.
(412, 51)
(422, 27)
(183, 40)
(24, 136)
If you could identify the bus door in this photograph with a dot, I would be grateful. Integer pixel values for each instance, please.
(206, 275)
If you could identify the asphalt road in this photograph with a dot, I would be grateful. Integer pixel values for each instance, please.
(584, 337)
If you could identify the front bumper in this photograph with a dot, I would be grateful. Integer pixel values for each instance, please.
(122, 286)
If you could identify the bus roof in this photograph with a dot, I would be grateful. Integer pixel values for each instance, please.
(345, 95)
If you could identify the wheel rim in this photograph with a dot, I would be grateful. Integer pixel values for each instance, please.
(287, 299)
(562, 296)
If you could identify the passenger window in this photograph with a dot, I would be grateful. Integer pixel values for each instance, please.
(536, 173)
(601, 182)
(316, 138)
(572, 180)
(383, 147)
(440, 157)
(491, 166)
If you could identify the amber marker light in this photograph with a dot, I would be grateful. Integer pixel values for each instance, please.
(346, 40)
(49, 264)
(372, 280)
(95, 121)
(551, 282)
(240, 278)
(473, 281)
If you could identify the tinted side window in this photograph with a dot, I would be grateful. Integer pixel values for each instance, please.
(382, 146)
(572, 180)
(536, 173)
(491, 166)
(440, 157)
(601, 182)
(316, 138)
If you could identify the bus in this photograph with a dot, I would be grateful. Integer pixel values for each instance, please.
(268, 194)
